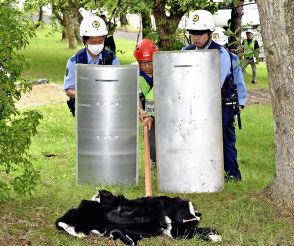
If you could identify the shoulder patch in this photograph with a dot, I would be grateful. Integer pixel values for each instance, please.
(66, 72)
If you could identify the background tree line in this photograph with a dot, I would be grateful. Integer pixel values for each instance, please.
(167, 15)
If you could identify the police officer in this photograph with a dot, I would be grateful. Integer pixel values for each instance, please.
(93, 31)
(144, 54)
(109, 41)
(201, 26)
(220, 38)
(251, 50)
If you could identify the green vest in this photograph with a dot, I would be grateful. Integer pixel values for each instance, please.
(149, 95)
(249, 48)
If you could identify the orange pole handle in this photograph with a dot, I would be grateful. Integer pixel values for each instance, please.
(147, 168)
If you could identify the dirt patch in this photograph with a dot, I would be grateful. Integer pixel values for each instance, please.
(258, 96)
(42, 94)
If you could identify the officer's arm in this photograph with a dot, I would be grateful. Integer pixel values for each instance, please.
(142, 113)
(70, 92)
(145, 118)
(69, 78)
(241, 87)
(225, 65)
(147, 121)
(256, 49)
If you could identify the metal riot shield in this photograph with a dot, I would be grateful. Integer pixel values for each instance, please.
(189, 145)
(107, 116)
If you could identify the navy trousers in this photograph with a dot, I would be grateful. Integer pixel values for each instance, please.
(152, 144)
(229, 141)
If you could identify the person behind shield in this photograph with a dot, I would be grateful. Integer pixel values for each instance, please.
(201, 26)
(93, 32)
(109, 41)
(144, 54)
(220, 38)
(251, 51)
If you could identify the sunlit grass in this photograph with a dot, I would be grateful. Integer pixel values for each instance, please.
(240, 212)
(48, 55)
(261, 80)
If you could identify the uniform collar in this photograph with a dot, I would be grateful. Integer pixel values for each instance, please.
(206, 46)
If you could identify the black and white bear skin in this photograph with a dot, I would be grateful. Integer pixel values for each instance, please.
(131, 220)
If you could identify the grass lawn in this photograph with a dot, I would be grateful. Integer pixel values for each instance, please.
(241, 212)
(48, 55)
(261, 80)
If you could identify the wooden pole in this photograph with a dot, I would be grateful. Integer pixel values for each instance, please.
(147, 167)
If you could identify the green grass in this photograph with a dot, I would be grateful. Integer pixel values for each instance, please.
(240, 212)
(261, 80)
(48, 55)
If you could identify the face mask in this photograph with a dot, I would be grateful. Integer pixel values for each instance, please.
(95, 49)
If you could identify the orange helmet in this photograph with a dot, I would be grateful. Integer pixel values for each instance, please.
(145, 49)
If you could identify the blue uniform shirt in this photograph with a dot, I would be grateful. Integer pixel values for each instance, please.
(225, 61)
(225, 70)
(239, 80)
(70, 76)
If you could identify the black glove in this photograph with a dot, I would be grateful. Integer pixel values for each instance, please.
(71, 105)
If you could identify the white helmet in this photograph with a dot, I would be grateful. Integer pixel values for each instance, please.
(250, 30)
(219, 36)
(93, 26)
(201, 20)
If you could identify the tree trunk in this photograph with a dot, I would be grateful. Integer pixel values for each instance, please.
(276, 18)
(64, 23)
(74, 7)
(72, 44)
(123, 19)
(77, 31)
(40, 18)
(76, 18)
(62, 19)
(146, 24)
(166, 26)
(236, 27)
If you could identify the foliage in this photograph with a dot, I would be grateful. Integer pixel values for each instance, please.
(171, 13)
(167, 14)
(174, 10)
(166, 22)
(227, 4)
(16, 129)
(139, 6)
(32, 7)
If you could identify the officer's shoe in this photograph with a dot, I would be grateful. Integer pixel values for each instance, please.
(253, 82)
